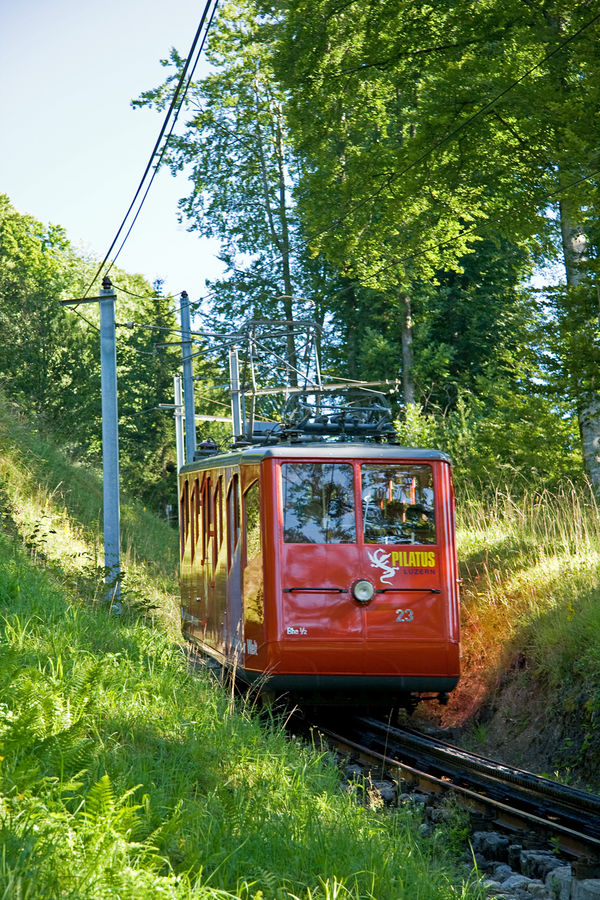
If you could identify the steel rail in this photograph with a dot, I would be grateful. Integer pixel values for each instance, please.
(442, 750)
(570, 827)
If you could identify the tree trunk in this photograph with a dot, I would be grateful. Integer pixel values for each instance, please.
(288, 291)
(575, 246)
(280, 239)
(408, 386)
(351, 321)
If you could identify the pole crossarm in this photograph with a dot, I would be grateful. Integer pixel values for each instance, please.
(76, 302)
(314, 388)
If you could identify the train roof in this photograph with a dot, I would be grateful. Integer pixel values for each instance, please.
(314, 450)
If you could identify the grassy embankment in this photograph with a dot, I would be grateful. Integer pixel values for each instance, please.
(123, 774)
(531, 629)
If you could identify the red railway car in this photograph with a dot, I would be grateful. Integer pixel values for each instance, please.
(324, 570)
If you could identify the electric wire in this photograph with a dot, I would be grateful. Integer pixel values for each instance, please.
(166, 142)
(178, 97)
(168, 297)
(154, 296)
(85, 319)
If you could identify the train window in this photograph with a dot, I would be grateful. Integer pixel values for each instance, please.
(318, 503)
(252, 536)
(233, 518)
(195, 516)
(219, 511)
(184, 515)
(206, 517)
(398, 504)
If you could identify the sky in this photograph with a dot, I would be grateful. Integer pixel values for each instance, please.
(72, 149)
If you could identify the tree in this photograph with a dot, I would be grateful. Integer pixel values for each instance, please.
(428, 127)
(50, 360)
(242, 172)
(36, 268)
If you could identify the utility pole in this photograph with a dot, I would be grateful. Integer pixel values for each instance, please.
(110, 441)
(177, 408)
(188, 379)
(110, 437)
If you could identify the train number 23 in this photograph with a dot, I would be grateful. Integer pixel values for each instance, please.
(404, 615)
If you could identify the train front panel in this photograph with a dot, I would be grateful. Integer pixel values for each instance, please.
(363, 586)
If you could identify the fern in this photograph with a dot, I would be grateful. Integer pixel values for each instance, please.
(99, 803)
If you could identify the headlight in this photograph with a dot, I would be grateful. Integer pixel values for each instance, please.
(363, 591)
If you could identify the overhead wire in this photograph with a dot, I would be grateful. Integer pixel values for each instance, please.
(85, 319)
(154, 296)
(175, 105)
(166, 142)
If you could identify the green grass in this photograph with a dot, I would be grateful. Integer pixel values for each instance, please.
(56, 508)
(123, 772)
(531, 601)
(531, 570)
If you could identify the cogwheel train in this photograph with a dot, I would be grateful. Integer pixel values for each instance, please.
(325, 570)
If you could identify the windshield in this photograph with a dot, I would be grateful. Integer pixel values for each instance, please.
(398, 504)
(318, 503)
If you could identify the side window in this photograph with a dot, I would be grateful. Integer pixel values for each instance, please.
(318, 503)
(219, 511)
(214, 548)
(233, 518)
(206, 517)
(184, 516)
(197, 511)
(194, 518)
(252, 533)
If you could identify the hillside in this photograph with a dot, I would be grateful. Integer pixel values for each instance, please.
(531, 627)
(530, 565)
(124, 773)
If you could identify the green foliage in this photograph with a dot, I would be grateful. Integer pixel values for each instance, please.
(399, 182)
(54, 505)
(125, 774)
(241, 169)
(498, 436)
(442, 148)
(37, 267)
(530, 562)
(50, 358)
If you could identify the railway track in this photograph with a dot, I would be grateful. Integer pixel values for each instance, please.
(509, 798)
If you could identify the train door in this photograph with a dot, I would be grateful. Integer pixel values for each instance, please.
(320, 560)
(253, 595)
(218, 562)
(234, 569)
(404, 534)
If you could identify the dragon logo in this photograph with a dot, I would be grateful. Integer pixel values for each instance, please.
(379, 560)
